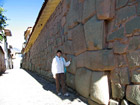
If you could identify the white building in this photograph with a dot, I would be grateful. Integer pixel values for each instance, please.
(4, 44)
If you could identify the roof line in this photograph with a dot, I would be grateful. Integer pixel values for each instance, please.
(42, 8)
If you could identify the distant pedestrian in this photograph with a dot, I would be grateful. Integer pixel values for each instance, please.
(58, 66)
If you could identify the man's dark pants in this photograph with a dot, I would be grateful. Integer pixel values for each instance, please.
(60, 80)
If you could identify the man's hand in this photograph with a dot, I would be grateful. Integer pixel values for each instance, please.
(70, 59)
(54, 76)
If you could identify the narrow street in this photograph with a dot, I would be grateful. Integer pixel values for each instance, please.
(19, 87)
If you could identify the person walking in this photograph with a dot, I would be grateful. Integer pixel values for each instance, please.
(58, 66)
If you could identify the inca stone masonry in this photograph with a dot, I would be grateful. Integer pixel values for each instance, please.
(103, 39)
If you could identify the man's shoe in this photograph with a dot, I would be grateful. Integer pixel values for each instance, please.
(59, 94)
(66, 94)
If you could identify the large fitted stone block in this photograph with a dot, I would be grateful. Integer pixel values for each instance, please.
(133, 25)
(96, 60)
(133, 59)
(121, 3)
(68, 49)
(78, 40)
(72, 67)
(118, 91)
(82, 81)
(74, 15)
(124, 102)
(63, 21)
(135, 76)
(121, 61)
(99, 91)
(120, 75)
(66, 6)
(119, 48)
(70, 80)
(125, 13)
(92, 102)
(113, 102)
(133, 94)
(134, 43)
(117, 35)
(94, 34)
(138, 8)
(105, 9)
(88, 9)
(59, 41)
(69, 36)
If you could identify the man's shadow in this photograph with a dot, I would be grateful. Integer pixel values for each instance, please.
(50, 86)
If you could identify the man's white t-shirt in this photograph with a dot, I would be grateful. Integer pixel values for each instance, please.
(58, 64)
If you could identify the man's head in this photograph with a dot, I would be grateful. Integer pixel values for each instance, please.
(59, 53)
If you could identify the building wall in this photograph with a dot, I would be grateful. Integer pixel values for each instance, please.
(2, 62)
(102, 37)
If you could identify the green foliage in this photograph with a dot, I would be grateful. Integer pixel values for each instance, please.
(3, 19)
(1, 37)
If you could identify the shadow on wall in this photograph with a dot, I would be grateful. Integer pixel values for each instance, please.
(50, 86)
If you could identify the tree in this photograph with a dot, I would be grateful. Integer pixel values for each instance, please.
(3, 19)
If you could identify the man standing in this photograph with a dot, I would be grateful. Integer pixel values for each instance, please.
(58, 65)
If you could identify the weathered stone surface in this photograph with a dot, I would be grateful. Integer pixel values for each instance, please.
(121, 62)
(111, 26)
(125, 13)
(58, 42)
(68, 49)
(121, 3)
(138, 8)
(69, 36)
(105, 9)
(96, 60)
(124, 102)
(75, 13)
(82, 81)
(118, 91)
(92, 102)
(78, 40)
(43, 72)
(72, 67)
(33, 67)
(88, 9)
(63, 21)
(113, 102)
(133, 94)
(135, 76)
(98, 94)
(94, 34)
(133, 25)
(70, 80)
(119, 48)
(133, 59)
(134, 43)
(66, 6)
(66, 28)
(117, 35)
(120, 75)
(38, 70)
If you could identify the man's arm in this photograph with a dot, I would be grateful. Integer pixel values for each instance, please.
(54, 68)
(66, 63)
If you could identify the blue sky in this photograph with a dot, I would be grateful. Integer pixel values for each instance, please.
(21, 14)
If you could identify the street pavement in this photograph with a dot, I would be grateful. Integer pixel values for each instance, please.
(19, 87)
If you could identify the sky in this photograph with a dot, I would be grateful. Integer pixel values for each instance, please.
(21, 14)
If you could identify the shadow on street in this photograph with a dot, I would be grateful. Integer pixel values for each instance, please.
(49, 86)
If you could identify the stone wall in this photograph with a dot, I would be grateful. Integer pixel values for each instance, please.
(102, 37)
(2, 63)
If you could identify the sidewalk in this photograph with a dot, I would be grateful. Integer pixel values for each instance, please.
(18, 87)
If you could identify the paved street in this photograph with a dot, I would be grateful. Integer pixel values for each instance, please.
(18, 87)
